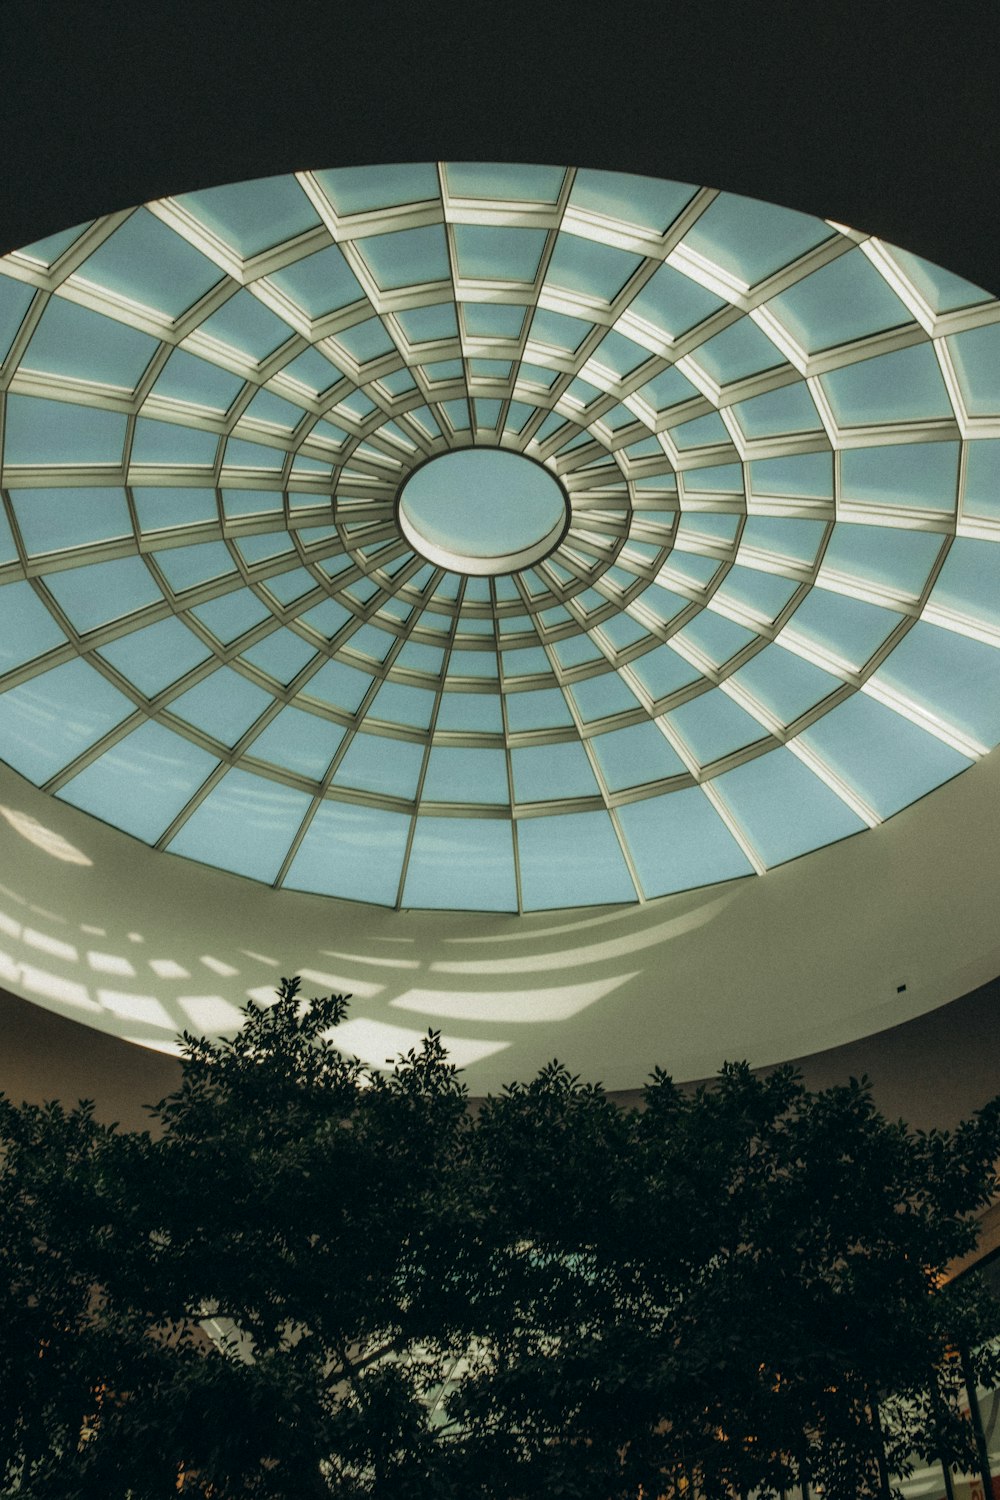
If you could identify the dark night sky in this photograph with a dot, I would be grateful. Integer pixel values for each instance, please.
(857, 112)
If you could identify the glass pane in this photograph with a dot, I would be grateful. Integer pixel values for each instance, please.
(679, 841)
(908, 474)
(51, 719)
(982, 478)
(954, 678)
(886, 758)
(146, 262)
(92, 595)
(351, 851)
(901, 387)
(849, 629)
(154, 657)
(784, 808)
(246, 325)
(407, 257)
(141, 783)
(544, 773)
(15, 299)
(785, 684)
(300, 742)
(223, 704)
(631, 757)
(599, 697)
(37, 431)
(647, 201)
(845, 299)
(253, 216)
(374, 763)
(673, 303)
(245, 824)
(789, 409)
(355, 190)
(968, 582)
(596, 270)
(52, 519)
(542, 708)
(885, 556)
(462, 864)
(712, 726)
(750, 239)
(662, 672)
(977, 363)
(84, 345)
(571, 860)
(466, 775)
(478, 179)
(185, 377)
(741, 349)
(485, 253)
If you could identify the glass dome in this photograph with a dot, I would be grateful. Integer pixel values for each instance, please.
(761, 612)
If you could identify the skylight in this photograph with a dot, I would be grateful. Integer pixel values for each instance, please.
(492, 536)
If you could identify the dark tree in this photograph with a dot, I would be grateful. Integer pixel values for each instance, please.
(311, 1278)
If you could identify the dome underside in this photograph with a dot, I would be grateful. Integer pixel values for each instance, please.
(773, 621)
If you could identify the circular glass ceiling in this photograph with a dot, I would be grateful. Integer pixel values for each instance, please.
(716, 585)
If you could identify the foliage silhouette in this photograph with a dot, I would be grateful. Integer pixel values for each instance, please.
(731, 1289)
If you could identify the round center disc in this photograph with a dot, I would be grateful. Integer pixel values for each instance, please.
(482, 511)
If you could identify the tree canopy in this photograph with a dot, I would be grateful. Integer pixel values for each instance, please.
(311, 1277)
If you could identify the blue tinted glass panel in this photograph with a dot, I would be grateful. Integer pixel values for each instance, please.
(492, 320)
(248, 326)
(51, 719)
(885, 757)
(969, 581)
(955, 678)
(886, 556)
(351, 851)
(910, 474)
(739, 350)
(764, 594)
(26, 626)
(543, 773)
(355, 190)
(408, 257)
(340, 685)
(146, 262)
(319, 284)
(976, 355)
(142, 783)
(785, 684)
(715, 637)
(397, 703)
(231, 615)
(679, 841)
(366, 341)
(74, 341)
(374, 763)
(982, 478)
(845, 299)
(647, 201)
(475, 712)
(662, 672)
(901, 387)
(282, 655)
(712, 725)
(796, 539)
(52, 519)
(596, 270)
(168, 443)
(631, 757)
(543, 708)
(462, 864)
(253, 216)
(492, 254)
(299, 741)
(750, 239)
(99, 592)
(527, 184)
(466, 775)
(426, 325)
(572, 860)
(224, 705)
(789, 409)
(157, 655)
(848, 628)
(807, 474)
(784, 808)
(15, 299)
(186, 567)
(185, 377)
(56, 432)
(245, 824)
(942, 290)
(599, 697)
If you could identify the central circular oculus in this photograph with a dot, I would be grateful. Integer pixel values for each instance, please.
(483, 511)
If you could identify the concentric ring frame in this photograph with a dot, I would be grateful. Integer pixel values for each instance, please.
(773, 620)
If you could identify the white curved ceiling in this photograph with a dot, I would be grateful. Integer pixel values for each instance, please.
(772, 623)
